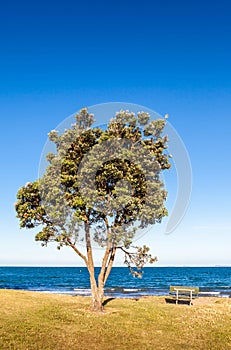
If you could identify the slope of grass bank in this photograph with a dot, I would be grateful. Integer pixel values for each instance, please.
(44, 321)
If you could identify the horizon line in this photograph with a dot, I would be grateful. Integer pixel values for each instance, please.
(121, 266)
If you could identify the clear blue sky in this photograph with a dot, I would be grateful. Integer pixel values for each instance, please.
(171, 56)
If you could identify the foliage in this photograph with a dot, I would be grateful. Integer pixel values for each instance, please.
(101, 185)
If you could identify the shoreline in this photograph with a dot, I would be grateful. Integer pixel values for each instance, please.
(200, 300)
(120, 293)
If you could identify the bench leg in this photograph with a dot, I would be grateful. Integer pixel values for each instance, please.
(190, 298)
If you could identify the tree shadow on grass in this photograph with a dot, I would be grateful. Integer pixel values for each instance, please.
(110, 299)
(107, 301)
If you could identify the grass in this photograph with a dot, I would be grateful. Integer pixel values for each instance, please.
(44, 321)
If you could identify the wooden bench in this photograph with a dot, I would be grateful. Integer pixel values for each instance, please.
(184, 293)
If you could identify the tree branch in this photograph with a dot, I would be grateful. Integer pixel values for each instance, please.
(138, 258)
(110, 264)
(105, 258)
(89, 248)
(77, 251)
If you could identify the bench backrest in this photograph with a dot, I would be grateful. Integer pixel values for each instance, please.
(195, 290)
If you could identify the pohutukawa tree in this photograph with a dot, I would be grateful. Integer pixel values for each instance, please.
(100, 186)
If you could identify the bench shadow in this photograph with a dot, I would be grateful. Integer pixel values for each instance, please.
(173, 301)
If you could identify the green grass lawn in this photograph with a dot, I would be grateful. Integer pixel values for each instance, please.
(44, 321)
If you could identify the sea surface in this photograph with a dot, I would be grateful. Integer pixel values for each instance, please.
(214, 281)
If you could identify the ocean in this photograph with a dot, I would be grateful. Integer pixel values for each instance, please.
(155, 281)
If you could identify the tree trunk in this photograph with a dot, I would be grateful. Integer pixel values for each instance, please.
(97, 292)
(97, 300)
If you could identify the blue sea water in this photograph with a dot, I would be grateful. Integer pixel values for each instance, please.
(155, 281)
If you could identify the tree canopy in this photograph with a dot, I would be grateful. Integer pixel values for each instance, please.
(100, 186)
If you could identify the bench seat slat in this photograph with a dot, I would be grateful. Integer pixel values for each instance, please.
(184, 293)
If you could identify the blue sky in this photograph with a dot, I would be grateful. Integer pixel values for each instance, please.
(172, 57)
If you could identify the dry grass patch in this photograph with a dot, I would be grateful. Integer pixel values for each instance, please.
(45, 322)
